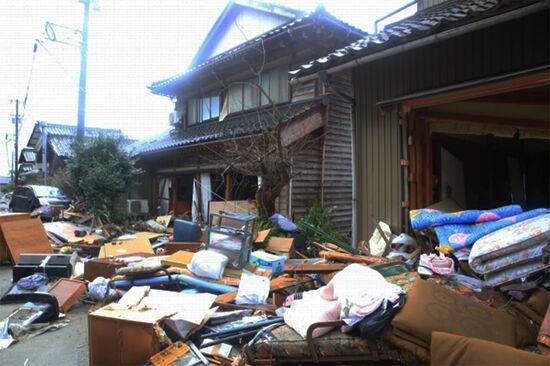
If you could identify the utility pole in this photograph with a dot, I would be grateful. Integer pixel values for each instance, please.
(83, 69)
(16, 157)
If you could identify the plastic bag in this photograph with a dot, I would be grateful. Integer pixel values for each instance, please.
(99, 290)
(209, 264)
(253, 289)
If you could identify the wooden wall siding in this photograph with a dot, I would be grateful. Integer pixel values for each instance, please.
(513, 46)
(306, 184)
(337, 164)
(281, 203)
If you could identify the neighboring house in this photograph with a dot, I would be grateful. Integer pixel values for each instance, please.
(452, 102)
(215, 101)
(4, 181)
(51, 143)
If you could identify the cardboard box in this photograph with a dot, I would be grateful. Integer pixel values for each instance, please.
(276, 263)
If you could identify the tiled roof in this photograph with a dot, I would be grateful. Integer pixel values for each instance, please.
(450, 14)
(69, 130)
(29, 155)
(233, 126)
(60, 137)
(320, 14)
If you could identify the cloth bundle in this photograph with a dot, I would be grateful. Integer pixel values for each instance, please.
(351, 295)
(512, 252)
(460, 229)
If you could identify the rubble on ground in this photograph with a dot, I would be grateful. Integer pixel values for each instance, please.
(168, 291)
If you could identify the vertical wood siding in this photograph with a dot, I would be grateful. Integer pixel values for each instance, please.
(306, 184)
(337, 170)
(510, 47)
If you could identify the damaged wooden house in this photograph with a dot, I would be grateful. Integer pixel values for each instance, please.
(49, 146)
(452, 104)
(237, 89)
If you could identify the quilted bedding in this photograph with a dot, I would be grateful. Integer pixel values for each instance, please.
(512, 252)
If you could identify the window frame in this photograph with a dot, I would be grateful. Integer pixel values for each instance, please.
(198, 102)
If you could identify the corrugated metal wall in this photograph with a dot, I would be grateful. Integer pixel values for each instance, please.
(337, 171)
(509, 47)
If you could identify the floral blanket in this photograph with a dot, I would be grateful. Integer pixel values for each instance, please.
(426, 218)
(512, 252)
(462, 235)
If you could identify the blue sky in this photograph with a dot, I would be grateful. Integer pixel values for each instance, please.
(132, 43)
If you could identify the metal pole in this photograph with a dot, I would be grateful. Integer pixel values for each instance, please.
(83, 68)
(45, 152)
(16, 173)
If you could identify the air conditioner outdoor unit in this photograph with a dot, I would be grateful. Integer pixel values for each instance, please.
(175, 117)
(138, 207)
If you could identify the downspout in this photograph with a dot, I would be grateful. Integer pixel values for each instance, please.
(467, 28)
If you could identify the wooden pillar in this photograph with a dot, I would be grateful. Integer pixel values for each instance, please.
(421, 170)
(155, 195)
(174, 198)
(228, 191)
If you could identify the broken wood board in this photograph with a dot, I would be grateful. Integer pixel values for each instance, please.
(174, 246)
(164, 220)
(134, 296)
(180, 259)
(261, 236)
(118, 248)
(8, 217)
(314, 268)
(242, 207)
(277, 284)
(149, 235)
(25, 236)
(350, 258)
(65, 232)
(67, 291)
(281, 246)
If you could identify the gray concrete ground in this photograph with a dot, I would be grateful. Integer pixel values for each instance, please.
(67, 346)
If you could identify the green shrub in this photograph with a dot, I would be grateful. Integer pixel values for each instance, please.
(100, 172)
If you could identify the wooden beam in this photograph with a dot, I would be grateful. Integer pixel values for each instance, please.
(526, 98)
(436, 117)
(499, 87)
(350, 258)
(314, 268)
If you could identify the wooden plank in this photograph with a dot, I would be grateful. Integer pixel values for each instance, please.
(139, 245)
(314, 268)
(25, 236)
(350, 258)
(7, 217)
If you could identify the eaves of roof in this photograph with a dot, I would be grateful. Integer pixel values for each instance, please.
(449, 15)
(239, 125)
(159, 87)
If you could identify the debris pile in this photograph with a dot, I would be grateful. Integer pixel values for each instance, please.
(245, 292)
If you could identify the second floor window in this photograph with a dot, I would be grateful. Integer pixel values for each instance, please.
(247, 95)
(200, 109)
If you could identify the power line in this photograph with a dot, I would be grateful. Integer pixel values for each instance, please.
(30, 78)
(58, 62)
